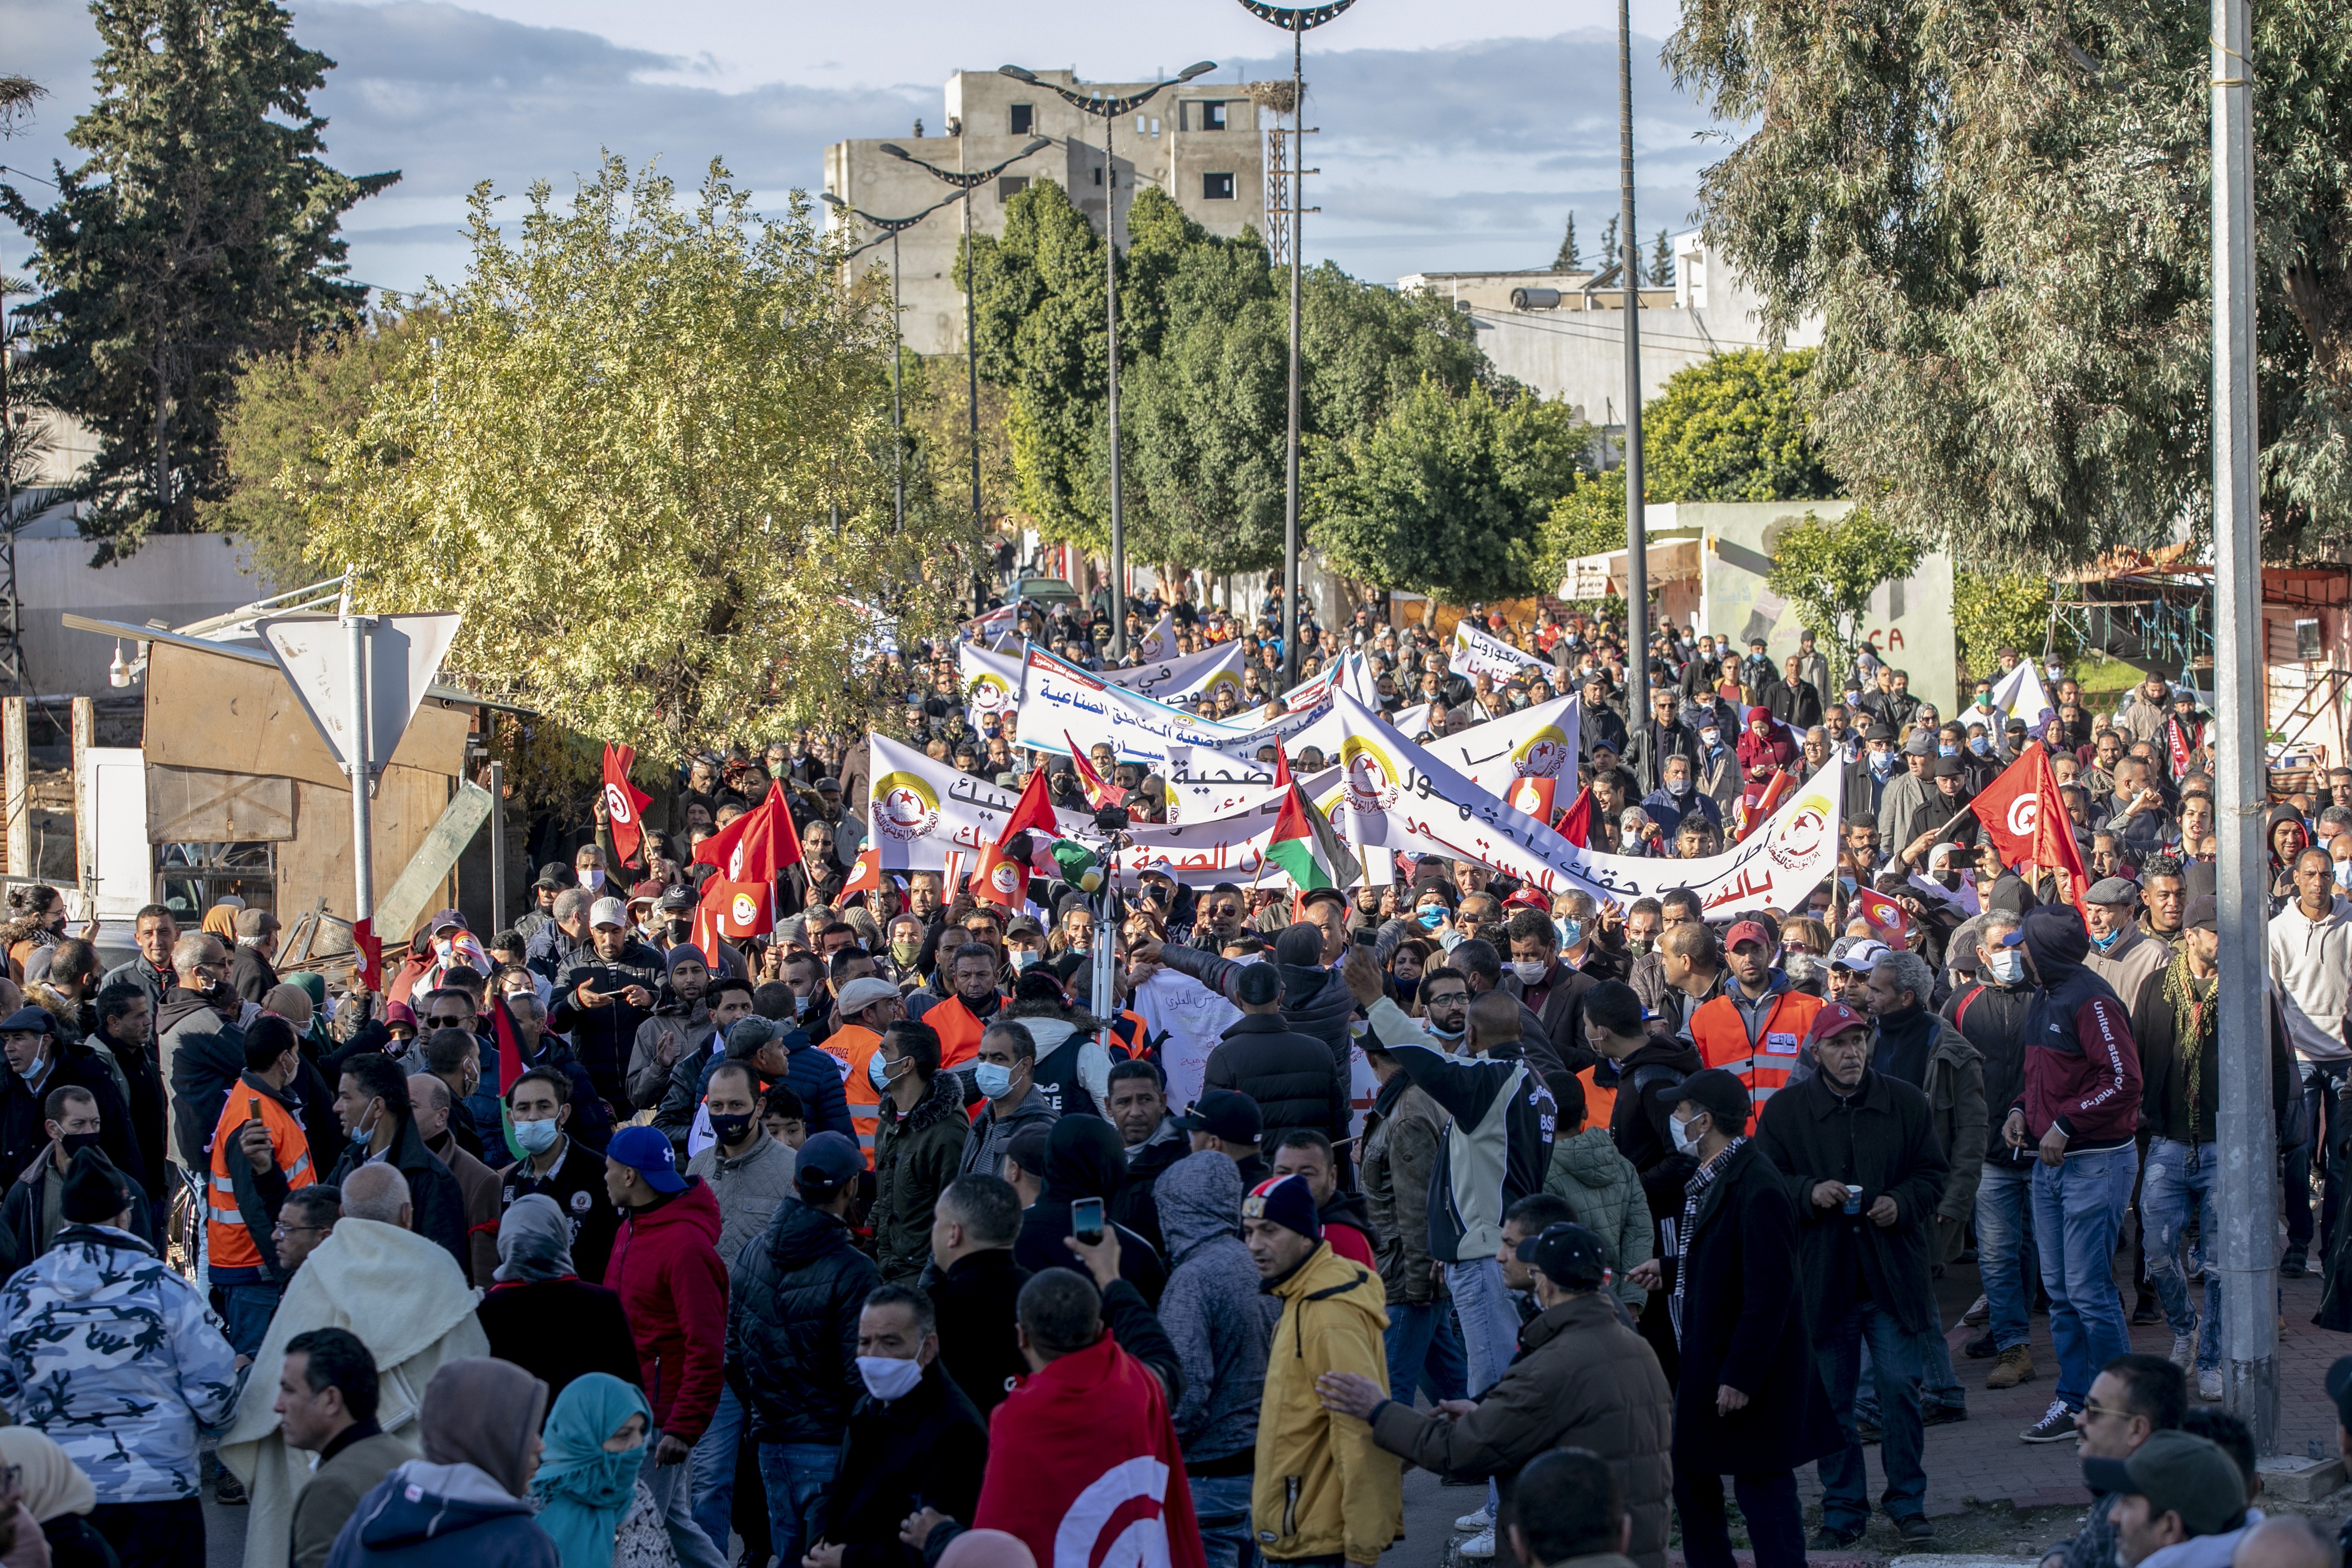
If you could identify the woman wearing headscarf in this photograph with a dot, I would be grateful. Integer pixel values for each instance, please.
(58, 1496)
(587, 1483)
(541, 1315)
(220, 921)
(467, 1500)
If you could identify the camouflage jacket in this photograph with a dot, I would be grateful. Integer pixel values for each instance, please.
(118, 1359)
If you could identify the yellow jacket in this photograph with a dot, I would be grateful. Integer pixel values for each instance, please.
(1323, 1486)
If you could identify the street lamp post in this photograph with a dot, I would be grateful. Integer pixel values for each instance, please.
(1295, 23)
(965, 184)
(1108, 111)
(1637, 536)
(891, 228)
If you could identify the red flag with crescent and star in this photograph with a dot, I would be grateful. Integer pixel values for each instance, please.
(624, 803)
(2024, 815)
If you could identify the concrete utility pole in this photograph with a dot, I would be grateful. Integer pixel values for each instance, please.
(1629, 260)
(2248, 1194)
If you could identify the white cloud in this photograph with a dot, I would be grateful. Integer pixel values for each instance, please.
(1459, 156)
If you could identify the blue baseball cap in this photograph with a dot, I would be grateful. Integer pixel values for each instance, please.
(648, 1152)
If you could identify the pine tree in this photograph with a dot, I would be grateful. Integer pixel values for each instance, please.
(201, 229)
(1611, 253)
(1568, 260)
(1662, 263)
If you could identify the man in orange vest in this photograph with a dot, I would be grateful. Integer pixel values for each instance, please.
(866, 1007)
(970, 1007)
(1755, 1028)
(260, 1155)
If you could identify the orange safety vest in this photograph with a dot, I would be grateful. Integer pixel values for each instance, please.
(228, 1242)
(1720, 1030)
(853, 1046)
(959, 1031)
(1600, 1104)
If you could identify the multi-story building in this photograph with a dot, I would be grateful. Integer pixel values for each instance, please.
(1203, 143)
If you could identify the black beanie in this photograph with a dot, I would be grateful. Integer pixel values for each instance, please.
(94, 1192)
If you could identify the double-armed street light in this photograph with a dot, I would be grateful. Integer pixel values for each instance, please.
(891, 228)
(1108, 110)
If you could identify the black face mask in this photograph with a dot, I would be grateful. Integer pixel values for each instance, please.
(680, 929)
(729, 1129)
(74, 1142)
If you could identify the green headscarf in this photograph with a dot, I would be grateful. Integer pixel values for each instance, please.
(583, 1490)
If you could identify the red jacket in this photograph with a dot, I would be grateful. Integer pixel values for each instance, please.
(673, 1286)
(1759, 754)
(2082, 1060)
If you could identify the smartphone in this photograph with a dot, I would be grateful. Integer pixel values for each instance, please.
(1086, 1219)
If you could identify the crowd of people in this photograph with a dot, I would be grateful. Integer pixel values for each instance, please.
(880, 1238)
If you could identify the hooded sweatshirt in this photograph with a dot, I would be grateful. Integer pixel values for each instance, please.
(429, 1515)
(1215, 1313)
(2082, 1063)
(1084, 1159)
(2311, 963)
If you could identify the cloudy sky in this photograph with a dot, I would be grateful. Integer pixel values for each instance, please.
(1458, 133)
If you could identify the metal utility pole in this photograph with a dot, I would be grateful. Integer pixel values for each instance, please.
(1628, 261)
(1295, 23)
(892, 227)
(965, 184)
(1108, 110)
(2247, 1196)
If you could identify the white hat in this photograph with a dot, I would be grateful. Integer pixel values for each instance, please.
(861, 994)
(1860, 956)
(609, 912)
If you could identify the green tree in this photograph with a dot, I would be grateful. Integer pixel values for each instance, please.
(201, 230)
(1445, 496)
(1662, 263)
(1568, 260)
(1612, 251)
(649, 461)
(1734, 427)
(1830, 570)
(1993, 610)
(1588, 521)
(284, 408)
(2002, 218)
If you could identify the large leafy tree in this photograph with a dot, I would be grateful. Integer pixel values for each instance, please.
(1734, 427)
(1830, 570)
(202, 229)
(1446, 495)
(649, 460)
(2003, 217)
(284, 408)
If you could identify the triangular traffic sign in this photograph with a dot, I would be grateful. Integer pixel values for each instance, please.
(404, 654)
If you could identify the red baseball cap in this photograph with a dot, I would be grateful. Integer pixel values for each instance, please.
(1834, 1018)
(1747, 931)
(1528, 899)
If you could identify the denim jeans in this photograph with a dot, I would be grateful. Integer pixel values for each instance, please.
(1222, 1504)
(673, 1491)
(1767, 1500)
(2169, 1192)
(247, 1310)
(1425, 1352)
(797, 1476)
(1895, 1360)
(713, 1469)
(2004, 1193)
(1490, 1329)
(2321, 1082)
(2078, 1207)
(1940, 1386)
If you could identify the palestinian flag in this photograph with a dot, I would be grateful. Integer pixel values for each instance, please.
(1304, 848)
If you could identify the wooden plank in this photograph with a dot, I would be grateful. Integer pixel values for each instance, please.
(414, 893)
(317, 862)
(227, 716)
(85, 734)
(18, 788)
(194, 806)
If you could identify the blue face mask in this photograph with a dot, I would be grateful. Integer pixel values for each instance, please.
(1881, 762)
(1978, 744)
(2105, 942)
(1570, 933)
(1944, 751)
(993, 1079)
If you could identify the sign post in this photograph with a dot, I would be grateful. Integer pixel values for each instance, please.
(361, 689)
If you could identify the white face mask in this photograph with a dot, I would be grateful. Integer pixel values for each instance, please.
(2007, 965)
(888, 1377)
(1685, 1141)
(1529, 971)
(537, 1137)
(590, 878)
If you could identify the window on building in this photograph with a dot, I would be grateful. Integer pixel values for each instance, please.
(1023, 115)
(1216, 187)
(1098, 173)
(1011, 185)
(1213, 115)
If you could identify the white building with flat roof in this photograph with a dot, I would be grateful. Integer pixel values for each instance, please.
(1200, 141)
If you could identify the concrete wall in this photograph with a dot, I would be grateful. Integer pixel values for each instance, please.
(1579, 355)
(174, 578)
(1170, 144)
(1909, 623)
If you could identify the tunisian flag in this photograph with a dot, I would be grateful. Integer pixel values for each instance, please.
(1887, 918)
(999, 875)
(1575, 824)
(1084, 1466)
(2023, 814)
(755, 845)
(624, 803)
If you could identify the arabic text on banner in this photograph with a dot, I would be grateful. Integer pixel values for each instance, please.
(1475, 653)
(1058, 697)
(919, 808)
(1187, 677)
